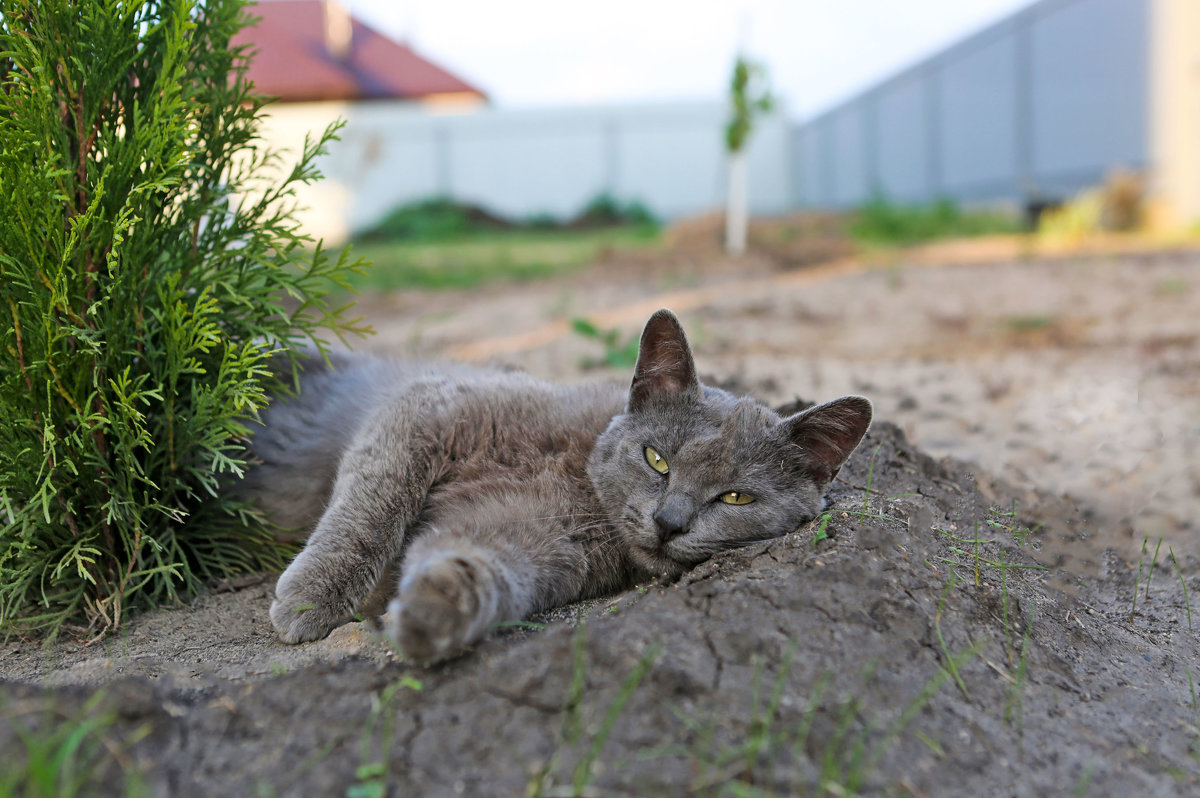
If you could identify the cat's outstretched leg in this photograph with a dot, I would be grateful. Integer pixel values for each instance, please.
(381, 485)
(455, 588)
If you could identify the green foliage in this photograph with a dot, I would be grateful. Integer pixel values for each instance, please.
(482, 258)
(149, 271)
(605, 210)
(619, 352)
(434, 219)
(443, 220)
(881, 222)
(58, 754)
(749, 97)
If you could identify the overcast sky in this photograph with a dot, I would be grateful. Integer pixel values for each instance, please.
(551, 52)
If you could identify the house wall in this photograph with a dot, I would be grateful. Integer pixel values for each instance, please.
(1175, 117)
(518, 163)
(1037, 106)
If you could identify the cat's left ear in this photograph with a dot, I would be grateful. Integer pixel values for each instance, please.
(828, 433)
(664, 364)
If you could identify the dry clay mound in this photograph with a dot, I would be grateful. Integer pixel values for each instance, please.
(894, 655)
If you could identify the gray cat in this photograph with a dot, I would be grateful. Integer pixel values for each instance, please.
(476, 496)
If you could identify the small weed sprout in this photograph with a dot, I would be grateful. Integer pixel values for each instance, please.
(65, 755)
(541, 783)
(619, 352)
(370, 778)
(534, 625)
(937, 625)
(583, 770)
(1137, 582)
(1153, 563)
(819, 533)
(867, 491)
(1012, 703)
(1187, 604)
(846, 759)
(1007, 522)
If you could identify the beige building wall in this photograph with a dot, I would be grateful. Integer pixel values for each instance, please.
(1175, 113)
(322, 205)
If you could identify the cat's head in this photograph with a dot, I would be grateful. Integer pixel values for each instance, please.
(689, 470)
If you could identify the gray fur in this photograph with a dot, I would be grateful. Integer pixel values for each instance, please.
(478, 496)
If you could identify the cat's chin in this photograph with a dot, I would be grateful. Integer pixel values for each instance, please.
(658, 563)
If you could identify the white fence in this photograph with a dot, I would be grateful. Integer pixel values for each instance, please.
(670, 157)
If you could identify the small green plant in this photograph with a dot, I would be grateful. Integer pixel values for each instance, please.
(1153, 563)
(150, 270)
(620, 352)
(880, 221)
(441, 220)
(976, 557)
(59, 755)
(1137, 579)
(371, 776)
(847, 758)
(534, 625)
(1012, 703)
(867, 490)
(749, 99)
(1186, 601)
(819, 533)
(433, 219)
(1171, 286)
(1007, 522)
(1030, 322)
(571, 735)
(937, 626)
(604, 210)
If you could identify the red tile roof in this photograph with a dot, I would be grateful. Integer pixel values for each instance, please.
(294, 63)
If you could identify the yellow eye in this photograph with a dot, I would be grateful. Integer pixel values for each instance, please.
(733, 497)
(657, 461)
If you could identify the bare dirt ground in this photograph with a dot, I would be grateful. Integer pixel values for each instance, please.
(897, 655)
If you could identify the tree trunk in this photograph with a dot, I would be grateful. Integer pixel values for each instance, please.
(735, 209)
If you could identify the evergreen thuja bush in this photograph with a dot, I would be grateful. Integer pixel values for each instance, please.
(149, 269)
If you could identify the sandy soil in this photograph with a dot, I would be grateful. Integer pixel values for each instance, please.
(1039, 377)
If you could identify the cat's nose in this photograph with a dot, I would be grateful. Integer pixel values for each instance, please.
(672, 519)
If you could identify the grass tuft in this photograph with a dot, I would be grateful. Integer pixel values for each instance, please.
(620, 352)
(881, 222)
(1186, 601)
(867, 491)
(489, 258)
(68, 755)
(541, 782)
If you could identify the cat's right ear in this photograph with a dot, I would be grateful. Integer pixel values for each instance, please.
(828, 433)
(664, 365)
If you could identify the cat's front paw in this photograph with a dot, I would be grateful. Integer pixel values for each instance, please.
(437, 613)
(300, 621)
(299, 614)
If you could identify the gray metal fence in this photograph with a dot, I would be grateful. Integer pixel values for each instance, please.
(1034, 107)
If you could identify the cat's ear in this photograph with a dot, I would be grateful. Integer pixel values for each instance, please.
(828, 433)
(664, 364)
